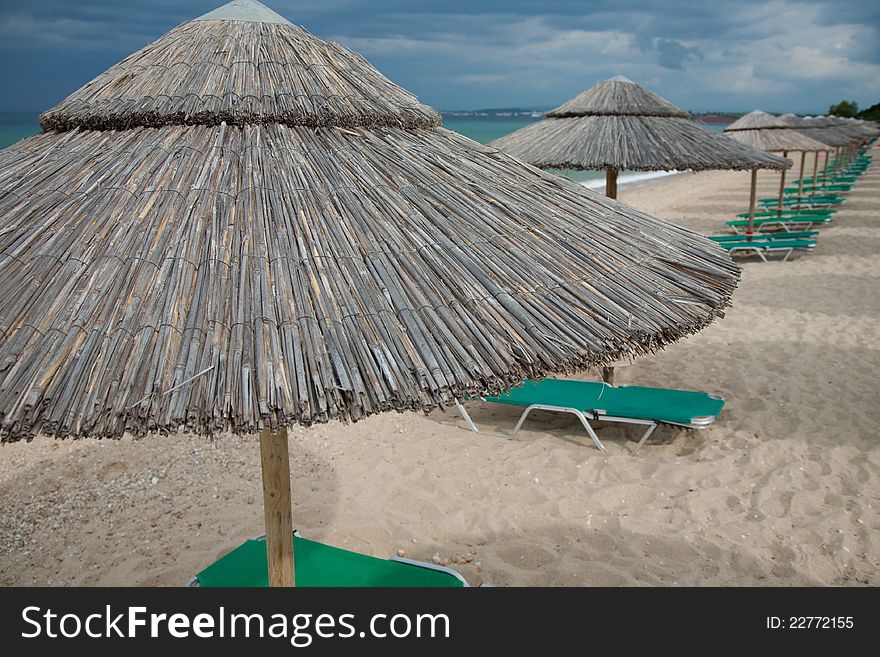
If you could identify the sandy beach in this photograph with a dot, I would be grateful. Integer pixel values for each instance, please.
(783, 490)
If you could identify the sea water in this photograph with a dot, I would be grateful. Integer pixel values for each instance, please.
(18, 125)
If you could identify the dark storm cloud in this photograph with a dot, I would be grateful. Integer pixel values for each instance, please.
(778, 55)
(673, 54)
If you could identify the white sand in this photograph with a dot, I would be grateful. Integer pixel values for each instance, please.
(783, 490)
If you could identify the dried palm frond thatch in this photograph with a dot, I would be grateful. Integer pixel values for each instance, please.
(831, 131)
(771, 133)
(242, 227)
(617, 124)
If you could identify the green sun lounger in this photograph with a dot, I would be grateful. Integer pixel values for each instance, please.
(812, 198)
(764, 247)
(595, 400)
(780, 223)
(843, 178)
(810, 189)
(815, 201)
(768, 237)
(317, 564)
(806, 212)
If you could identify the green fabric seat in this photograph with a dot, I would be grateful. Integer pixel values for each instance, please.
(317, 564)
(779, 222)
(806, 212)
(599, 401)
(762, 248)
(819, 188)
(767, 237)
(804, 200)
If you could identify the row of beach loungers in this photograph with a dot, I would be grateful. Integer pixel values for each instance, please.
(793, 226)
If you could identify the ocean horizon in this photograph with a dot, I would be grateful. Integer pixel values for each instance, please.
(478, 126)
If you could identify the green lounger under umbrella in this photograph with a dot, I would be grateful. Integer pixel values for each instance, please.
(763, 248)
(803, 200)
(768, 237)
(812, 190)
(783, 223)
(805, 212)
(323, 565)
(599, 401)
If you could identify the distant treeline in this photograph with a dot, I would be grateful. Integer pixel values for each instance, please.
(717, 117)
(870, 114)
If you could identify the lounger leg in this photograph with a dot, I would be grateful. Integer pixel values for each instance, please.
(467, 418)
(787, 254)
(644, 439)
(522, 418)
(589, 428)
(556, 409)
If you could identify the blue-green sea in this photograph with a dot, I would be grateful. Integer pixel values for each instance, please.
(17, 125)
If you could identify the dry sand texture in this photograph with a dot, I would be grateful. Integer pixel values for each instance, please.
(783, 490)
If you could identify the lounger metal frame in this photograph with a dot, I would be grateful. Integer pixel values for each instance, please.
(598, 415)
(787, 224)
(803, 204)
(766, 247)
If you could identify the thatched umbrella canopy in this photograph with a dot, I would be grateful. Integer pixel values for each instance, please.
(867, 128)
(241, 227)
(857, 134)
(824, 134)
(770, 133)
(828, 132)
(616, 125)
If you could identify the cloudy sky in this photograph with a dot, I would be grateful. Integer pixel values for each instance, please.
(777, 55)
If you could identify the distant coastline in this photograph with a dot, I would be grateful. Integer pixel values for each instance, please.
(724, 118)
(717, 117)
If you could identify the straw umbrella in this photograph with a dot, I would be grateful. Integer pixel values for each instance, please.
(830, 132)
(858, 135)
(242, 228)
(616, 125)
(795, 122)
(769, 133)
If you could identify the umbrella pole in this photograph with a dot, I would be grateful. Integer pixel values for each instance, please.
(611, 183)
(610, 192)
(801, 176)
(815, 170)
(781, 188)
(752, 203)
(275, 463)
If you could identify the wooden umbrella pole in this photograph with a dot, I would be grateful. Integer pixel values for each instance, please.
(801, 176)
(610, 192)
(815, 170)
(611, 183)
(608, 375)
(781, 188)
(752, 203)
(277, 507)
